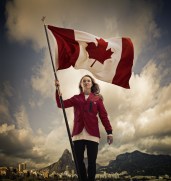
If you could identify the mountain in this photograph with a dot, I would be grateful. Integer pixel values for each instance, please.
(135, 163)
(60, 166)
(138, 163)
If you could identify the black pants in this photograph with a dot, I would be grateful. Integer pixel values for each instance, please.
(92, 150)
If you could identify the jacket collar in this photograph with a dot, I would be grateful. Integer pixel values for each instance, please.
(91, 95)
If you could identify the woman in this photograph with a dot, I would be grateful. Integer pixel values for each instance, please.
(85, 132)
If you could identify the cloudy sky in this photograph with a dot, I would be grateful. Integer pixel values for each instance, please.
(32, 128)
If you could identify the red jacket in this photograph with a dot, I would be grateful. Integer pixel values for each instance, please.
(85, 113)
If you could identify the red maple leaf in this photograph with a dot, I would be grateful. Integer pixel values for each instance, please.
(99, 52)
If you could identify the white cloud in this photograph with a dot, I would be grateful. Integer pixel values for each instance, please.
(21, 117)
(138, 115)
(5, 128)
(43, 80)
(155, 145)
(24, 19)
(156, 120)
(5, 94)
(38, 150)
(108, 153)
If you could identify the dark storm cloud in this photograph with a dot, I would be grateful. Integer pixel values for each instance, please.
(19, 144)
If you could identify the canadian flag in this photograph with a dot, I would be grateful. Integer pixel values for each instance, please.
(109, 60)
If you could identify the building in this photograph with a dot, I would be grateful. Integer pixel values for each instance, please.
(45, 174)
(4, 171)
(21, 167)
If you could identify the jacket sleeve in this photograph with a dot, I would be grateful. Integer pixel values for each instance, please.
(104, 117)
(67, 103)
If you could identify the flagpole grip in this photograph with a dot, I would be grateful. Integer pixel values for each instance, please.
(62, 104)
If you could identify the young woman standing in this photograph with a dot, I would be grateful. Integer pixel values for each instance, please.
(85, 135)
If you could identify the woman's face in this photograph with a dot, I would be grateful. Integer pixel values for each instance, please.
(86, 83)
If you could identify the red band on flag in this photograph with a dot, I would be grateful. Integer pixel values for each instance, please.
(123, 71)
(68, 48)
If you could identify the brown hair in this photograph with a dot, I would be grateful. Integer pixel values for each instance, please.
(95, 87)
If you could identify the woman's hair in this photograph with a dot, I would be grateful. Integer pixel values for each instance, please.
(95, 87)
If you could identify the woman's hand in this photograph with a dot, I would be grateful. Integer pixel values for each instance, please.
(57, 83)
(110, 139)
(58, 87)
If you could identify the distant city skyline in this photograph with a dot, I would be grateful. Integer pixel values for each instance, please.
(32, 128)
(135, 165)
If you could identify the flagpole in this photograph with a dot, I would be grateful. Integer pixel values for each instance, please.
(62, 104)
